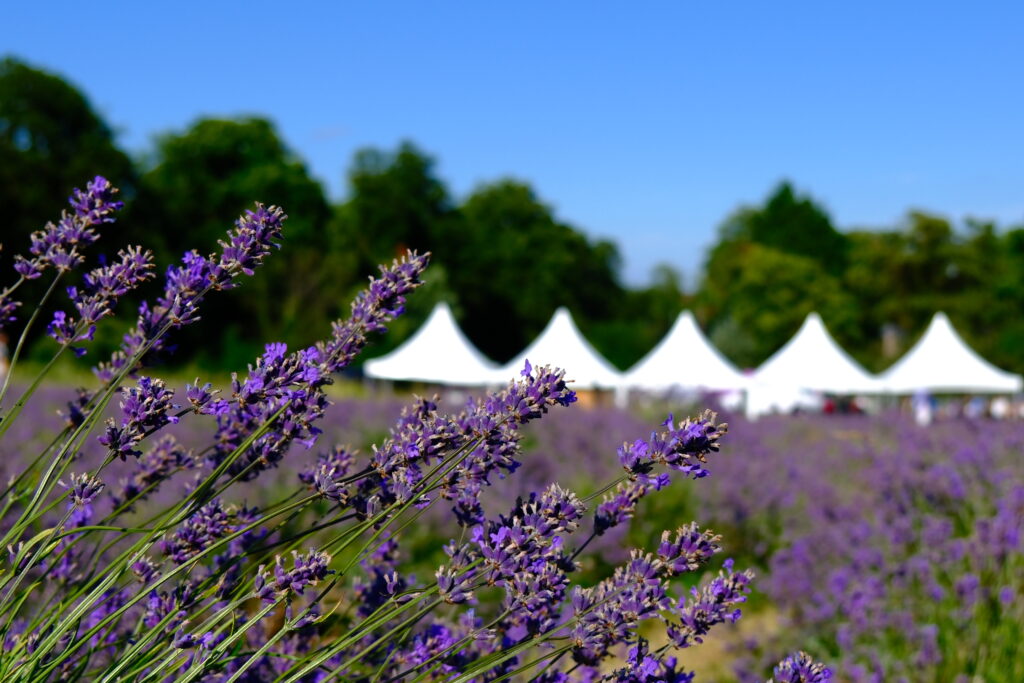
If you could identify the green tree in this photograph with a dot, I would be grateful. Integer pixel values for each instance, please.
(197, 184)
(642, 319)
(51, 140)
(513, 263)
(790, 223)
(755, 298)
(395, 202)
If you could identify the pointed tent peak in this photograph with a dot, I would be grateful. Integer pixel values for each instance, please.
(684, 358)
(942, 361)
(561, 344)
(686, 320)
(812, 332)
(442, 312)
(563, 327)
(940, 330)
(813, 323)
(438, 352)
(561, 317)
(941, 324)
(813, 360)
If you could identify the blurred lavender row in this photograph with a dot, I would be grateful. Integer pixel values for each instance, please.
(891, 550)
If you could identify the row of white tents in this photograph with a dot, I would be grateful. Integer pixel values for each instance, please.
(812, 361)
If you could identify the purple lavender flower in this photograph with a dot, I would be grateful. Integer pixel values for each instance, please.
(145, 409)
(495, 423)
(160, 604)
(200, 397)
(294, 381)
(307, 570)
(8, 307)
(95, 206)
(619, 506)
(382, 580)
(643, 666)
(83, 489)
(77, 408)
(330, 465)
(684, 448)
(800, 668)
(103, 286)
(709, 605)
(145, 570)
(454, 587)
(58, 245)
(380, 303)
(210, 523)
(607, 614)
(690, 549)
(255, 233)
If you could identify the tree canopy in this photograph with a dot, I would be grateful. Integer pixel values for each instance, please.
(503, 258)
(51, 140)
(196, 184)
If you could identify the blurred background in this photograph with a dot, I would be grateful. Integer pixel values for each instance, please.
(751, 163)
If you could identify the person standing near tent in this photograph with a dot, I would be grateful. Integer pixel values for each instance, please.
(922, 408)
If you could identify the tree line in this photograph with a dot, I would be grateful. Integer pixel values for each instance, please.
(502, 257)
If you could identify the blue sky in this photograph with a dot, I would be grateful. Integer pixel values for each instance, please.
(643, 122)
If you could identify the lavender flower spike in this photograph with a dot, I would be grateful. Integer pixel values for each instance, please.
(684, 448)
(83, 489)
(255, 233)
(380, 303)
(103, 286)
(59, 245)
(146, 409)
(308, 569)
(800, 668)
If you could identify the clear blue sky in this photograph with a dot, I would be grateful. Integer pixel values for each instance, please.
(643, 122)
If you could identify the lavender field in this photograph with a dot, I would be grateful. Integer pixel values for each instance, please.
(890, 551)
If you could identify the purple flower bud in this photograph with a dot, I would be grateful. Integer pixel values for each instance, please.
(94, 206)
(83, 489)
(145, 570)
(199, 396)
(58, 245)
(684, 448)
(145, 409)
(709, 605)
(453, 586)
(800, 668)
(380, 303)
(688, 551)
(209, 524)
(307, 570)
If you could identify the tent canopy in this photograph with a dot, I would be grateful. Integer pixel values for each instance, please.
(684, 359)
(942, 362)
(438, 353)
(812, 360)
(561, 345)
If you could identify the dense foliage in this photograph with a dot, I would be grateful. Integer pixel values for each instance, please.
(502, 257)
(104, 580)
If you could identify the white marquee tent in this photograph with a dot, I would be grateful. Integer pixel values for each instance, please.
(812, 360)
(561, 345)
(684, 359)
(438, 353)
(942, 362)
